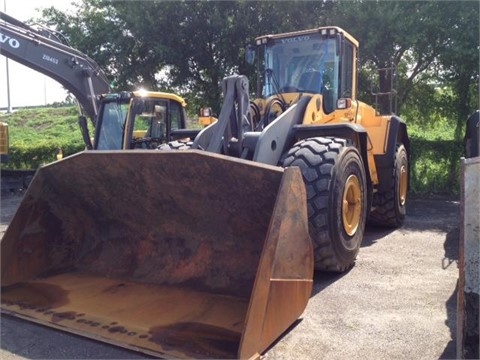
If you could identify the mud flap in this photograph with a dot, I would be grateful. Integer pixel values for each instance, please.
(182, 254)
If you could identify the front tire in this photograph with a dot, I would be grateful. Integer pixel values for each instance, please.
(335, 181)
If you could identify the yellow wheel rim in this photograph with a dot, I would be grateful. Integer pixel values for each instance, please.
(352, 205)
(402, 194)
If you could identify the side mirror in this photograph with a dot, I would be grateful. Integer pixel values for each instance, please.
(250, 54)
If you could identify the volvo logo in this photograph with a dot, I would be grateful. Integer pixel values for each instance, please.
(295, 39)
(14, 43)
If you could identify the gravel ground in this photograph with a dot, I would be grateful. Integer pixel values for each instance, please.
(398, 302)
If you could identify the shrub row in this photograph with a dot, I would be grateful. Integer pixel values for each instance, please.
(32, 157)
(435, 164)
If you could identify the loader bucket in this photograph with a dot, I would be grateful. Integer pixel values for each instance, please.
(178, 254)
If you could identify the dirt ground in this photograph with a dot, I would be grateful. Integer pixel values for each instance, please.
(398, 302)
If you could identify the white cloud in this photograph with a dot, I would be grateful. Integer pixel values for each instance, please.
(28, 87)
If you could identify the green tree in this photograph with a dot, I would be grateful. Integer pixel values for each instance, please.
(409, 35)
(184, 46)
(97, 29)
(459, 63)
(190, 46)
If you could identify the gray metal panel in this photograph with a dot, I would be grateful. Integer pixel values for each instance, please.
(468, 316)
(278, 135)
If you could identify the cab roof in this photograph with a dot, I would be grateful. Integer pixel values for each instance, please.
(325, 30)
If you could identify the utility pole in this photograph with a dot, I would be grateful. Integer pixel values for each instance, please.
(9, 104)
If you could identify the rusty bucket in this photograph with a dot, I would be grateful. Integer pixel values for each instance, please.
(179, 254)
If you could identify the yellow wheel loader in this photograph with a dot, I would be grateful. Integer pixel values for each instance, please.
(138, 120)
(209, 252)
(354, 161)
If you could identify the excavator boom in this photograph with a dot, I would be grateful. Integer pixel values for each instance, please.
(71, 68)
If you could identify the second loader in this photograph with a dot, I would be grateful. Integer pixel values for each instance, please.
(209, 252)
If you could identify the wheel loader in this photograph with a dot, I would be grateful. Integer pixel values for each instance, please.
(206, 249)
(354, 161)
(138, 120)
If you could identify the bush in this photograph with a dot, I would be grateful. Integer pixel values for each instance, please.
(36, 135)
(31, 157)
(435, 166)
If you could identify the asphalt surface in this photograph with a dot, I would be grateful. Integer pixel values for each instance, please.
(397, 302)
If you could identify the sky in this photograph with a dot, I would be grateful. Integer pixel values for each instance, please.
(28, 87)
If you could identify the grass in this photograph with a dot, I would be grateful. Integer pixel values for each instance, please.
(36, 135)
(435, 158)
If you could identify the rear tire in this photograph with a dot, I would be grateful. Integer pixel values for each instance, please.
(335, 181)
(390, 206)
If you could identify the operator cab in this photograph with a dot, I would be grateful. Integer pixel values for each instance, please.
(138, 120)
(318, 61)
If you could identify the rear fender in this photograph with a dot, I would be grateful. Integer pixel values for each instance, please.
(397, 133)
